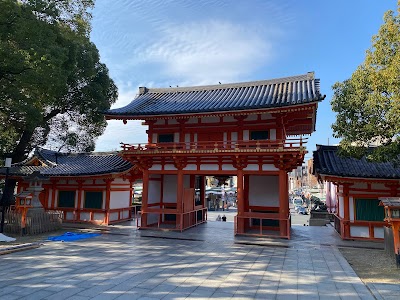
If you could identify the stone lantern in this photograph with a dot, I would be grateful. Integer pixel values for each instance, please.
(35, 181)
(392, 217)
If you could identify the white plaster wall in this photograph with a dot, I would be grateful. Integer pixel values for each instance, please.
(113, 216)
(187, 137)
(209, 167)
(154, 138)
(245, 135)
(170, 167)
(119, 199)
(170, 187)
(379, 233)
(359, 185)
(264, 190)
(195, 137)
(359, 231)
(152, 218)
(269, 168)
(228, 168)
(191, 167)
(192, 121)
(156, 167)
(125, 214)
(351, 208)
(229, 119)
(225, 137)
(266, 116)
(341, 208)
(272, 134)
(210, 120)
(160, 122)
(98, 216)
(85, 216)
(70, 215)
(251, 118)
(172, 121)
(154, 191)
(234, 136)
(99, 181)
(119, 180)
(176, 137)
(252, 167)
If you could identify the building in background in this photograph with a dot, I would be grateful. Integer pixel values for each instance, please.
(353, 189)
(86, 187)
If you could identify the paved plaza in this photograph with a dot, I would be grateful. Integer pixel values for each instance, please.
(201, 263)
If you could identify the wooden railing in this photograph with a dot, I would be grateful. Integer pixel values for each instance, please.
(185, 219)
(260, 229)
(222, 146)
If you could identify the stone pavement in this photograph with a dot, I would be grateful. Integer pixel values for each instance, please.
(202, 263)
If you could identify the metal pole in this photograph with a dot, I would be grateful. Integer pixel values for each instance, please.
(3, 202)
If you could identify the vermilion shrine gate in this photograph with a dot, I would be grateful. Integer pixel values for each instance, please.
(251, 130)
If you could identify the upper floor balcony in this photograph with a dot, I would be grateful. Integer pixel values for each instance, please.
(290, 145)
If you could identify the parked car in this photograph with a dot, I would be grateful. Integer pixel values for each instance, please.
(302, 210)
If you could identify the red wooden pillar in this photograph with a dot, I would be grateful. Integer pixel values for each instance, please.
(108, 199)
(396, 238)
(53, 194)
(145, 197)
(179, 199)
(240, 201)
(283, 203)
(79, 202)
(346, 214)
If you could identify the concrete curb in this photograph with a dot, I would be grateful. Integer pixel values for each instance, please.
(17, 248)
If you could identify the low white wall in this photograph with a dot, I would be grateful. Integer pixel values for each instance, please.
(263, 190)
(113, 216)
(359, 231)
(69, 215)
(379, 232)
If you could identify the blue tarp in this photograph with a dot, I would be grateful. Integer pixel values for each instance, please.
(72, 236)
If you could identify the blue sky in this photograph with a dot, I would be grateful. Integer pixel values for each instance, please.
(158, 43)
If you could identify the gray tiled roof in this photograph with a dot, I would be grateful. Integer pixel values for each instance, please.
(279, 92)
(328, 162)
(72, 164)
(390, 201)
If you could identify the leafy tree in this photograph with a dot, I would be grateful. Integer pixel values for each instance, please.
(53, 87)
(368, 103)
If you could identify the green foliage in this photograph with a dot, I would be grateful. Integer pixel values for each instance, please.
(368, 103)
(53, 87)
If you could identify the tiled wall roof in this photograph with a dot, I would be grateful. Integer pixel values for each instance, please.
(224, 97)
(328, 162)
(73, 164)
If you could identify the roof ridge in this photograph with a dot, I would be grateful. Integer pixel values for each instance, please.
(307, 76)
(92, 153)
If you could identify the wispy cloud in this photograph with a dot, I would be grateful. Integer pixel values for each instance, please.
(206, 52)
(157, 43)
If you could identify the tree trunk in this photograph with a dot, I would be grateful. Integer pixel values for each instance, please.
(23, 146)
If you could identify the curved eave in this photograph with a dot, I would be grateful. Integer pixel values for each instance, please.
(342, 178)
(238, 111)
